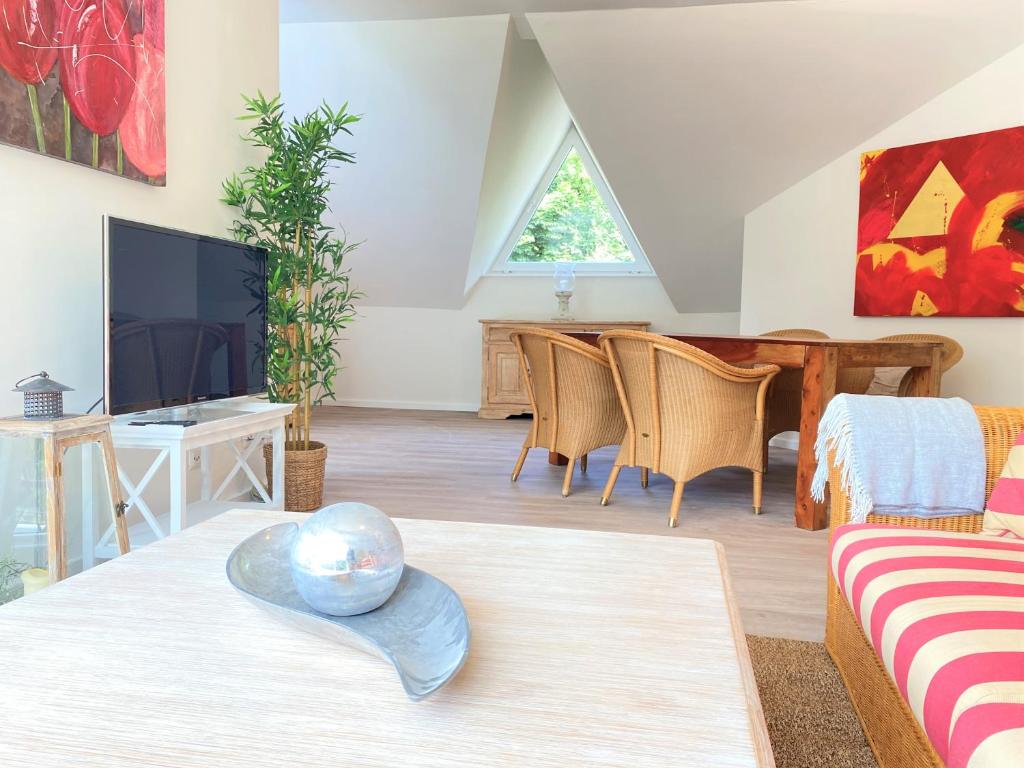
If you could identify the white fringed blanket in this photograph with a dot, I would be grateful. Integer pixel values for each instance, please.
(908, 456)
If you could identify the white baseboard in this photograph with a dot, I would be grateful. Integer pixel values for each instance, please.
(789, 440)
(405, 405)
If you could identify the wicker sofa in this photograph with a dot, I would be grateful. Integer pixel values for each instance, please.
(896, 738)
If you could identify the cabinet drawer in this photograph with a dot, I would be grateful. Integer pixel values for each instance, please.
(499, 334)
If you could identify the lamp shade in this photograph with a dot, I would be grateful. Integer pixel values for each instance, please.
(565, 277)
(44, 397)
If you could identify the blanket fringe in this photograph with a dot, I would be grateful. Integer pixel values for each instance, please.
(835, 435)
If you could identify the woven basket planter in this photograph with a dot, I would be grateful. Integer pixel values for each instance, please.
(303, 476)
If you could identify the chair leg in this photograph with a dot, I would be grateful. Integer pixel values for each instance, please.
(673, 511)
(583, 463)
(567, 482)
(645, 477)
(610, 485)
(519, 463)
(758, 482)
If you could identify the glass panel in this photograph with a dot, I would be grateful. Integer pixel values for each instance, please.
(572, 223)
(23, 535)
(86, 504)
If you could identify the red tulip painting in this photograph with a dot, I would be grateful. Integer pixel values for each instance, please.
(142, 128)
(941, 229)
(84, 80)
(27, 31)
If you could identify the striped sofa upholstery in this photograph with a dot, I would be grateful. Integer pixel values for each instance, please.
(944, 612)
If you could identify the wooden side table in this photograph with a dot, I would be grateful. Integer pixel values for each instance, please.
(503, 389)
(57, 437)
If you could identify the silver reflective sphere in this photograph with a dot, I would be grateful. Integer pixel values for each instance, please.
(347, 559)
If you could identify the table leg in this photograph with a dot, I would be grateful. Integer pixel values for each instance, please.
(927, 382)
(116, 495)
(821, 367)
(277, 481)
(53, 467)
(557, 459)
(179, 488)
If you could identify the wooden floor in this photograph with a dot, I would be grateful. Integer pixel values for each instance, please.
(454, 466)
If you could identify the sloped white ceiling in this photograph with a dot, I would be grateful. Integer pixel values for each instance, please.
(427, 90)
(530, 123)
(697, 115)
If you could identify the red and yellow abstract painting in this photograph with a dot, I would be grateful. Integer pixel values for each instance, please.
(83, 80)
(941, 228)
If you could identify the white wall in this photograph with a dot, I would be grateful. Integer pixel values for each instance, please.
(430, 358)
(50, 210)
(800, 247)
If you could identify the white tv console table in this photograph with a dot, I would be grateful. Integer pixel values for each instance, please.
(232, 423)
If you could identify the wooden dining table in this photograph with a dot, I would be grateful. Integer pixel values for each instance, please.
(820, 360)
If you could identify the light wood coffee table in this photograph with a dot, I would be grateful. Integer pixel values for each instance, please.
(589, 649)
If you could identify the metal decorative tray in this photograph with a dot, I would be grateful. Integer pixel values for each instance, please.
(422, 629)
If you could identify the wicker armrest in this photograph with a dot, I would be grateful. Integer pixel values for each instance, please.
(755, 373)
(1000, 428)
(697, 355)
(717, 365)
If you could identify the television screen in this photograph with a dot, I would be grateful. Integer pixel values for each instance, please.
(186, 318)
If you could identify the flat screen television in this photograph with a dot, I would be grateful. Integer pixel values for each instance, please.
(185, 317)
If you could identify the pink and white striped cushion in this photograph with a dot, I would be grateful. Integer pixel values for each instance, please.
(945, 614)
(1004, 513)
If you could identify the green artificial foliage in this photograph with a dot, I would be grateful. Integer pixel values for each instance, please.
(572, 223)
(281, 206)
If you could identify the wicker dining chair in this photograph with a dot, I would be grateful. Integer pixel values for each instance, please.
(575, 407)
(952, 353)
(799, 333)
(687, 412)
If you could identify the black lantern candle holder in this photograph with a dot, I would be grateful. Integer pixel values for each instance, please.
(44, 397)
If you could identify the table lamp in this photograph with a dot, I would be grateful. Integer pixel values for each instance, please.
(565, 282)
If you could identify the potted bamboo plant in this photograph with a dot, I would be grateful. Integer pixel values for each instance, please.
(281, 207)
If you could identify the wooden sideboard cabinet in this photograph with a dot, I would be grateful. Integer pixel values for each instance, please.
(503, 390)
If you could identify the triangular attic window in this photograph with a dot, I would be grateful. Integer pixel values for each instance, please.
(573, 217)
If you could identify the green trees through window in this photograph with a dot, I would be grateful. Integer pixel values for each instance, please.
(572, 223)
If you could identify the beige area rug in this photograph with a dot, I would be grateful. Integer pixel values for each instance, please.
(810, 718)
